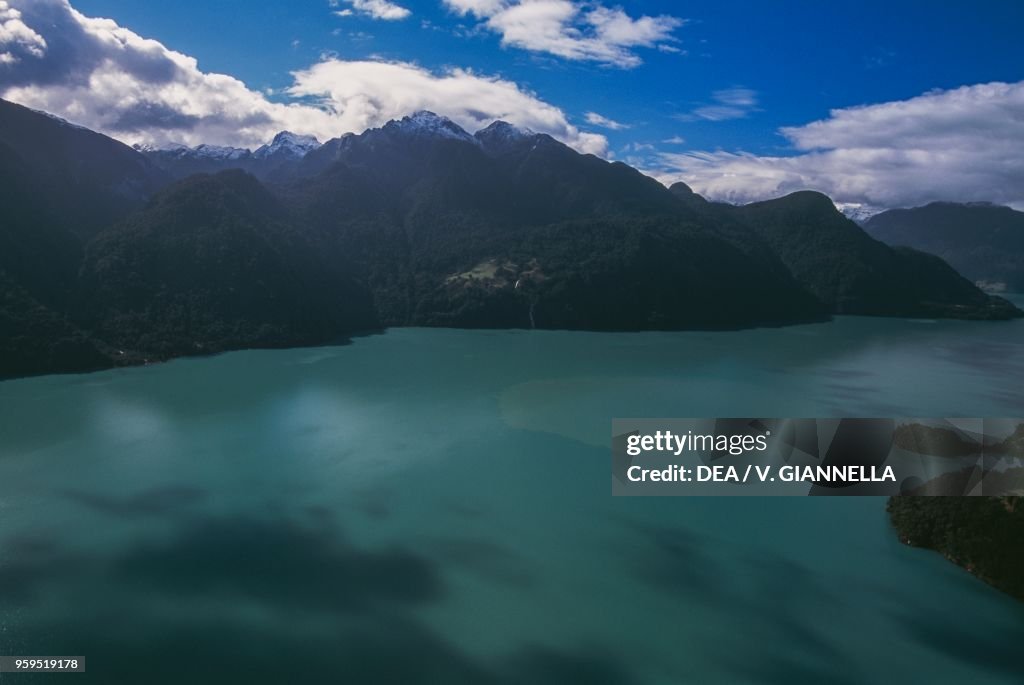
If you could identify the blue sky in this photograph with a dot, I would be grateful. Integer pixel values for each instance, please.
(697, 84)
(802, 58)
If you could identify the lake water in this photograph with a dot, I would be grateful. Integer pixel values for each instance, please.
(434, 506)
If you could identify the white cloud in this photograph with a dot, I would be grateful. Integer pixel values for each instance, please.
(730, 103)
(596, 119)
(479, 8)
(674, 140)
(108, 78)
(16, 36)
(377, 9)
(961, 145)
(571, 29)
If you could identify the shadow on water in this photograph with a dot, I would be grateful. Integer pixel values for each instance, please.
(776, 615)
(258, 600)
(185, 389)
(997, 651)
(772, 601)
(217, 520)
(151, 502)
(278, 563)
(484, 558)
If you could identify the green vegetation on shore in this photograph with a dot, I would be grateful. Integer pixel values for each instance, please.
(984, 535)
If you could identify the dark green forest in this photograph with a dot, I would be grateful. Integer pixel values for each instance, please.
(984, 242)
(985, 535)
(111, 257)
(106, 260)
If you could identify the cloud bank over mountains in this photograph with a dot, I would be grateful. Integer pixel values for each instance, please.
(106, 77)
(962, 144)
(365, 93)
(965, 144)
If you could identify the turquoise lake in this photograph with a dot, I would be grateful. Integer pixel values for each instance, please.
(433, 506)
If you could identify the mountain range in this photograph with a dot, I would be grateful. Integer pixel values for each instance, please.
(112, 255)
(984, 242)
(273, 160)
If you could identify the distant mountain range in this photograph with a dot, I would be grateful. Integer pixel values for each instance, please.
(273, 160)
(984, 242)
(113, 255)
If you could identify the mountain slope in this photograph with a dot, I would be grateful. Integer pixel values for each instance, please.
(983, 242)
(213, 264)
(415, 223)
(84, 179)
(39, 260)
(37, 251)
(981, 534)
(276, 160)
(36, 339)
(514, 229)
(852, 273)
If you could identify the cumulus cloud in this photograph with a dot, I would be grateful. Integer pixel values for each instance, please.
(596, 119)
(961, 145)
(16, 37)
(377, 9)
(571, 29)
(479, 8)
(731, 103)
(108, 78)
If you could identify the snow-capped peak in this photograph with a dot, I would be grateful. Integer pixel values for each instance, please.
(428, 124)
(60, 120)
(217, 152)
(858, 212)
(501, 137)
(505, 130)
(288, 144)
(166, 147)
(220, 151)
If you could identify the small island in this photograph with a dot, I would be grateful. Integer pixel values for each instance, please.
(981, 534)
